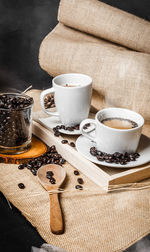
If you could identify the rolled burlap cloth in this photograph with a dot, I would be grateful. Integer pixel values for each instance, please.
(121, 77)
(104, 21)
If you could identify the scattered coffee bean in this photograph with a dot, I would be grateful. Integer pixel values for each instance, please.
(68, 128)
(87, 125)
(62, 161)
(72, 144)
(57, 133)
(76, 172)
(29, 166)
(21, 185)
(34, 172)
(49, 101)
(21, 166)
(64, 141)
(80, 187)
(117, 157)
(52, 181)
(50, 173)
(50, 157)
(80, 181)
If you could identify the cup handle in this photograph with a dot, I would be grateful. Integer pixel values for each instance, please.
(45, 92)
(86, 134)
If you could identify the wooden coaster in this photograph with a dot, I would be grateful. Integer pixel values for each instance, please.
(37, 149)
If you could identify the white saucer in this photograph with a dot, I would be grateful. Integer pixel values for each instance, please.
(83, 146)
(53, 121)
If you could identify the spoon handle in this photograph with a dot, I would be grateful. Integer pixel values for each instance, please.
(56, 220)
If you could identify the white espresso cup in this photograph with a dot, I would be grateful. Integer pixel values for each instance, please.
(72, 95)
(112, 140)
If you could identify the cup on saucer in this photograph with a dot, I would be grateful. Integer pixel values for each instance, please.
(72, 95)
(116, 130)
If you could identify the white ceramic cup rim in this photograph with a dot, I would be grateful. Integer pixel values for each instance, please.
(88, 82)
(120, 130)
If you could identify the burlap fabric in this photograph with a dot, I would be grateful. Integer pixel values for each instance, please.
(120, 77)
(94, 220)
(105, 21)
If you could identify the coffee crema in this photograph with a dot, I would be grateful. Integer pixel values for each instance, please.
(119, 123)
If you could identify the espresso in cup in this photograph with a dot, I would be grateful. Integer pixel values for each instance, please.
(116, 130)
(119, 123)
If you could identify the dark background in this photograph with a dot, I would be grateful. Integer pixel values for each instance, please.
(23, 25)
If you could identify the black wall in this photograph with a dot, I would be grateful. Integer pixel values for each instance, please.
(23, 25)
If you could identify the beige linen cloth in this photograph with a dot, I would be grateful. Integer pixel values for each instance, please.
(95, 221)
(121, 77)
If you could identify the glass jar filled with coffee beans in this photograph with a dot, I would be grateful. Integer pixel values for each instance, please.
(15, 123)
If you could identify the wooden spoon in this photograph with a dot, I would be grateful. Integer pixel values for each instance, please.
(56, 220)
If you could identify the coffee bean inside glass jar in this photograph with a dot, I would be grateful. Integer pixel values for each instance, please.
(15, 123)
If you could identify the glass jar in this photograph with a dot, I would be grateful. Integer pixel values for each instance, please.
(15, 123)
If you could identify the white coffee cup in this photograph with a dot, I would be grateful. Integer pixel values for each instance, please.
(72, 103)
(112, 140)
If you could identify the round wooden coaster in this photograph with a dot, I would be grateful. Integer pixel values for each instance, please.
(37, 149)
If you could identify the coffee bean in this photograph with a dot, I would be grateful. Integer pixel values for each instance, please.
(50, 173)
(93, 153)
(48, 176)
(68, 128)
(64, 141)
(80, 181)
(62, 161)
(77, 127)
(100, 158)
(21, 166)
(57, 133)
(34, 172)
(80, 187)
(136, 154)
(49, 101)
(21, 185)
(54, 129)
(86, 126)
(117, 157)
(58, 127)
(63, 127)
(76, 172)
(50, 157)
(39, 164)
(72, 144)
(123, 162)
(29, 166)
(52, 181)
